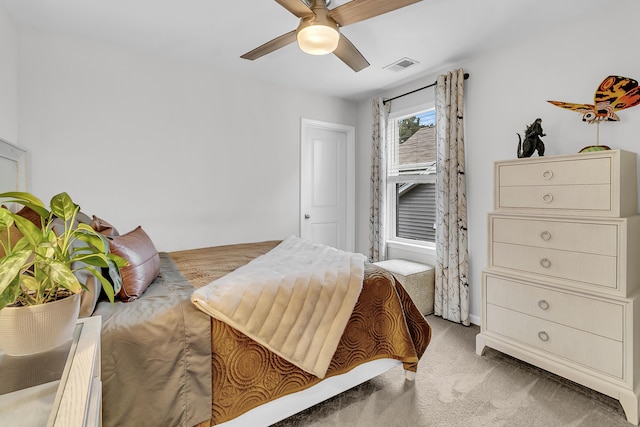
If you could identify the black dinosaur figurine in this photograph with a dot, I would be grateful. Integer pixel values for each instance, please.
(532, 141)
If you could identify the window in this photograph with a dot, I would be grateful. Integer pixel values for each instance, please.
(411, 176)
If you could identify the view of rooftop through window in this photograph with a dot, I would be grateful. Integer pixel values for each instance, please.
(412, 142)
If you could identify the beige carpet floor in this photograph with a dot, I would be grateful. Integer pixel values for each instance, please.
(455, 387)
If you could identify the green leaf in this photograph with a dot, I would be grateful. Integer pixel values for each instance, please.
(22, 245)
(6, 219)
(26, 199)
(106, 285)
(98, 260)
(10, 267)
(114, 271)
(28, 282)
(46, 251)
(118, 261)
(11, 293)
(63, 207)
(32, 233)
(62, 275)
(22, 196)
(91, 238)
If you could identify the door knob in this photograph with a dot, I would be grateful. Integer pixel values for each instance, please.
(307, 216)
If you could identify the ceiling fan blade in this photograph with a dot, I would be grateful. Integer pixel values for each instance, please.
(296, 7)
(351, 56)
(270, 46)
(359, 10)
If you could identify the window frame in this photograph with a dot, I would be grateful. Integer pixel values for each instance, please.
(392, 240)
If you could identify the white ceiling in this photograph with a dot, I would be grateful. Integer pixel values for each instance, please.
(214, 33)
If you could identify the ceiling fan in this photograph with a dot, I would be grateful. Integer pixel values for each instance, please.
(319, 30)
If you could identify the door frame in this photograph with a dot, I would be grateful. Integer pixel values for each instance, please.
(350, 132)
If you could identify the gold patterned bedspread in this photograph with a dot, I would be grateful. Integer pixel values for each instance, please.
(385, 324)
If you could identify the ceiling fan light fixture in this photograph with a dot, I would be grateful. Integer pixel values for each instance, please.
(317, 38)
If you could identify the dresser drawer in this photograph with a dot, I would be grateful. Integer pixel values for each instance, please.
(590, 237)
(590, 269)
(588, 198)
(590, 350)
(596, 184)
(596, 316)
(576, 171)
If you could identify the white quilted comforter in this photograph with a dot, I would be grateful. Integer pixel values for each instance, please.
(295, 300)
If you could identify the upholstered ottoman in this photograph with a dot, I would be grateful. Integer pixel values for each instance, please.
(417, 279)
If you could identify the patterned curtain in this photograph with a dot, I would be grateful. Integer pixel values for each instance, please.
(377, 244)
(452, 285)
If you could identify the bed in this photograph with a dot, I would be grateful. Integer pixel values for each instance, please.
(165, 362)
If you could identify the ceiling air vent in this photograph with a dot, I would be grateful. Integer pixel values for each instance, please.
(401, 64)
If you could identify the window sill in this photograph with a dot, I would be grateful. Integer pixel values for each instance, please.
(425, 253)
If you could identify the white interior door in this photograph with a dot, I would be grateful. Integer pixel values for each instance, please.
(327, 184)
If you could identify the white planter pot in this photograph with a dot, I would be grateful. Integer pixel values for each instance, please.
(38, 328)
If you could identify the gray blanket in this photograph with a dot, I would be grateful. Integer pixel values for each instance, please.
(156, 356)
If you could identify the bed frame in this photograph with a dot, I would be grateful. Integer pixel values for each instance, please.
(286, 406)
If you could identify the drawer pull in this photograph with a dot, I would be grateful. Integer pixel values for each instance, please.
(543, 336)
(543, 304)
(547, 174)
(545, 262)
(547, 198)
(545, 235)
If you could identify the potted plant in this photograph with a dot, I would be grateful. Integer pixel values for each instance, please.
(38, 272)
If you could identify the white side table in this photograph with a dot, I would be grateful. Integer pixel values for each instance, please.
(81, 400)
(70, 395)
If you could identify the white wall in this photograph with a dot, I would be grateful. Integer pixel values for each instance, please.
(507, 90)
(164, 139)
(8, 78)
(197, 157)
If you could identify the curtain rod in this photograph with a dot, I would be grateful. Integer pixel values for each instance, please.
(466, 76)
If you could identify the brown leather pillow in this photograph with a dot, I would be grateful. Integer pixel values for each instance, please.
(144, 262)
(31, 215)
(103, 227)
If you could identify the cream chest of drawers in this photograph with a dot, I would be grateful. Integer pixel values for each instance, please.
(560, 290)
(590, 184)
